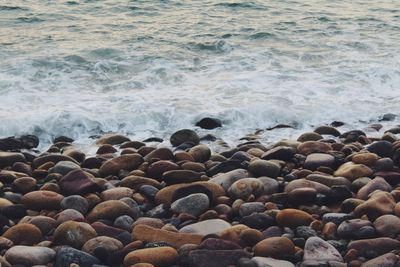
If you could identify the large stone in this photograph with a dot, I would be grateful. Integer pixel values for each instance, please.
(316, 160)
(293, 218)
(310, 147)
(317, 249)
(194, 204)
(67, 256)
(24, 234)
(309, 136)
(200, 153)
(110, 210)
(161, 153)
(73, 234)
(260, 167)
(245, 187)
(64, 167)
(9, 158)
(29, 256)
(183, 136)
(77, 182)
(377, 246)
(387, 225)
(127, 162)
(377, 183)
(368, 159)
(328, 130)
(150, 234)
(213, 226)
(209, 123)
(379, 203)
(353, 171)
(274, 247)
(385, 260)
(158, 256)
(42, 200)
(381, 148)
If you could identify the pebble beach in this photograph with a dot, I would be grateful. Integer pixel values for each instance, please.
(328, 198)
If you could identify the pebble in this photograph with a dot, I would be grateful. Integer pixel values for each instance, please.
(207, 227)
(245, 187)
(293, 218)
(274, 247)
(317, 249)
(67, 256)
(23, 234)
(75, 202)
(161, 256)
(30, 256)
(73, 234)
(194, 204)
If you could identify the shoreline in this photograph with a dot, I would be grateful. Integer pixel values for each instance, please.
(325, 198)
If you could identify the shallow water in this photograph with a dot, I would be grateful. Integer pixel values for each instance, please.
(148, 68)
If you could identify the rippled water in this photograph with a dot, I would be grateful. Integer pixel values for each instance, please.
(151, 67)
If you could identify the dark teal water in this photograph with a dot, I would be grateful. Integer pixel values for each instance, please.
(151, 67)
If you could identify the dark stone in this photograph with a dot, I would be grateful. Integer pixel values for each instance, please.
(388, 117)
(93, 163)
(336, 218)
(148, 191)
(153, 139)
(77, 182)
(337, 123)
(381, 148)
(183, 136)
(280, 152)
(395, 130)
(29, 141)
(241, 156)
(258, 221)
(16, 211)
(226, 166)
(157, 244)
(63, 138)
(67, 255)
(327, 130)
(305, 232)
(209, 123)
(159, 211)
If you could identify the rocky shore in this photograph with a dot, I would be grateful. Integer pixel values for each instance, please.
(329, 198)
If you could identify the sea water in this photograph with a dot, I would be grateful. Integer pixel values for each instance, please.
(148, 68)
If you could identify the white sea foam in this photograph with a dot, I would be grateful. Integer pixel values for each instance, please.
(154, 69)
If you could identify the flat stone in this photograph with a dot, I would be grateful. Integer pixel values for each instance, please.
(317, 249)
(353, 171)
(213, 226)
